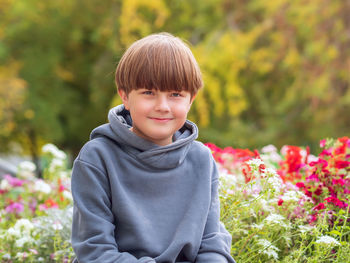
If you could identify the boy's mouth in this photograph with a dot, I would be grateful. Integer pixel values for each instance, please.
(160, 119)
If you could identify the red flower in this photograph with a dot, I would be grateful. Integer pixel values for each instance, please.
(318, 190)
(313, 218)
(51, 203)
(341, 164)
(262, 168)
(344, 143)
(319, 206)
(280, 202)
(300, 184)
(336, 202)
(293, 158)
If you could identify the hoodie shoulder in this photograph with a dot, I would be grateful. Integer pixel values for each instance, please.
(201, 151)
(96, 151)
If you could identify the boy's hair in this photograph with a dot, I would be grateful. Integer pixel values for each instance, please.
(159, 61)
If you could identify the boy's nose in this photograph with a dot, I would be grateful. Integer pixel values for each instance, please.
(162, 103)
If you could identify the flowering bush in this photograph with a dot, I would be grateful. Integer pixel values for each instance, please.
(298, 214)
(35, 214)
(287, 206)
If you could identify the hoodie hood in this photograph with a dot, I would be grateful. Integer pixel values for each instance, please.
(148, 153)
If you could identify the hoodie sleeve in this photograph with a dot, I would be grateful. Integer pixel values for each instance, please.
(216, 241)
(93, 221)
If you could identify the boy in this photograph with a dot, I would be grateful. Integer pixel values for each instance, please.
(144, 190)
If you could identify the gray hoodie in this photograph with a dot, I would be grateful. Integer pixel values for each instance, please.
(135, 201)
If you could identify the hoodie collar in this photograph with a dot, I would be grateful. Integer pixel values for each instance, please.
(146, 152)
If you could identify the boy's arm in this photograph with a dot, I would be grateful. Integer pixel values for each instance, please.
(93, 221)
(216, 241)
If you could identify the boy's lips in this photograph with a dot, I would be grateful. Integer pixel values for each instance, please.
(160, 119)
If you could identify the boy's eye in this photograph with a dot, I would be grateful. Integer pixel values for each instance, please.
(147, 92)
(176, 94)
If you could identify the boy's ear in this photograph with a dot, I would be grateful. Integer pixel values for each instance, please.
(124, 98)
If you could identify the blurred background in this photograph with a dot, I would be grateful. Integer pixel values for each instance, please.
(275, 72)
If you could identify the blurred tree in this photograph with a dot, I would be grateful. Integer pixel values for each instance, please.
(66, 50)
(275, 72)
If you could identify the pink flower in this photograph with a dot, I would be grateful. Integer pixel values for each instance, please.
(323, 163)
(322, 143)
(325, 153)
(14, 207)
(338, 181)
(42, 207)
(312, 177)
(336, 202)
(13, 181)
(35, 252)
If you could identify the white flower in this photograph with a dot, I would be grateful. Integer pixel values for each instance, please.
(271, 171)
(56, 163)
(13, 232)
(276, 219)
(52, 149)
(26, 170)
(67, 195)
(27, 166)
(269, 149)
(229, 179)
(21, 255)
(265, 205)
(312, 158)
(258, 226)
(64, 175)
(292, 196)
(268, 249)
(276, 182)
(6, 256)
(327, 240)
(4, 185)
(57, 226)
(21, 241)
(255, 162)
(24, 224)
(41, 186)
(305, 228)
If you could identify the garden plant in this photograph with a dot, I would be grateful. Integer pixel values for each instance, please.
(279, 206)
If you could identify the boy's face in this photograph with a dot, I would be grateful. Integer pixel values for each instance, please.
(157, 115)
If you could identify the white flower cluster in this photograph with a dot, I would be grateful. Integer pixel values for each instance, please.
(270, 154)
(21, 231)
(255, 162)
(59, 157)
(26, 170)
(52, 149)
(305, 228)
(292, 195)
(4, 185)
(275, 182)
(42, 186)
(276, 219)
(327, 240)
(268, 249)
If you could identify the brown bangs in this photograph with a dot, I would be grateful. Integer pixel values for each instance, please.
(159, 61)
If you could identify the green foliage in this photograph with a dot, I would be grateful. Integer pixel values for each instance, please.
(275, 71)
